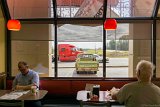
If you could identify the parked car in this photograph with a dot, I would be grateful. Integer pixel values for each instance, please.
(86, 63)
(100, 58)
(53, 59)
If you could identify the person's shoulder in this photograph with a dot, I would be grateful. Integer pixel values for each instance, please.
(132, 84)
(154, 85)
(19, 74)
(32, 71)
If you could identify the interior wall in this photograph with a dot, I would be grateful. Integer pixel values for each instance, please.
(2, 43)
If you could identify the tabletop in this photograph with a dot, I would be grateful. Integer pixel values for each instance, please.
(103, 96)
(28, 96)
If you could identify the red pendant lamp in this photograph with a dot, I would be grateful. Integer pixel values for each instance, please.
(14, 25)
(110, 24)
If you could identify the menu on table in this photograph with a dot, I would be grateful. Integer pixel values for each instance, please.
(13, 95)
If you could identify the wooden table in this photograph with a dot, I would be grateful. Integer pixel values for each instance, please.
(104, 99)
(25, 97)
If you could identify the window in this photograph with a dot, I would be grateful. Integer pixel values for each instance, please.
(63, 49)
(24, 9)
(130, 8)
(124, 49)
(83, 40)
(79, 31)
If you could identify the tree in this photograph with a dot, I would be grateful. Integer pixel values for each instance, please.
(111, 45)
(121, 44)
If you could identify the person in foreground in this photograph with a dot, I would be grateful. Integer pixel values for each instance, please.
(25, 80)
(142, 93)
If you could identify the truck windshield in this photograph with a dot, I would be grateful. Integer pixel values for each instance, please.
(74, 49)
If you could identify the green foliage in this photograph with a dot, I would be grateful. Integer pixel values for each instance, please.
(115, 48)
(109, 53)
(122, 45)
(111, 45)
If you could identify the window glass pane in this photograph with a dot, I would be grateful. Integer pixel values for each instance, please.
(130, 8)
(34, 44)
(34, 32)
(80, 51)
(131, 31)
(38, 55)
(124, 52)
(80, 8)
(22, 9)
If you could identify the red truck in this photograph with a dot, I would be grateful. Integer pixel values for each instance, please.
(67, 52)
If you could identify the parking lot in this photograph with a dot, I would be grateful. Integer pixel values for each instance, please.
(116, 67)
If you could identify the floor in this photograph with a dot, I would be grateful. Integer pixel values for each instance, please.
(70, 105)
(65, 102)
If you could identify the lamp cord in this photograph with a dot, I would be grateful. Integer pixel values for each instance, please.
(13, 9)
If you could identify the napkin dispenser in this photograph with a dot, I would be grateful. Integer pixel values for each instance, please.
(96, 89)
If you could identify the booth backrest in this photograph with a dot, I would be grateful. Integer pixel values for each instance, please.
(2, 80)
(71, 87)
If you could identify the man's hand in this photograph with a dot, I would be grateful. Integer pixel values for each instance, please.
(113, 93)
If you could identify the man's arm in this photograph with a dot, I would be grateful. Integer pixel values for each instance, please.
(120, 94)
(35, 80)
(14, 83)
(26, 87)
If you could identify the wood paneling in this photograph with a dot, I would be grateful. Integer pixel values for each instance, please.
(2, 80)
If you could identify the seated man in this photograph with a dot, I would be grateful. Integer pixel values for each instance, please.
(141, 93)
(25, 80)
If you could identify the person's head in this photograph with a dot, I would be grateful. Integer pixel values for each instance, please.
(144, 70)
(23, 67)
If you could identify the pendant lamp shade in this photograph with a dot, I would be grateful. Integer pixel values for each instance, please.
(110, 24)
(14, 25)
